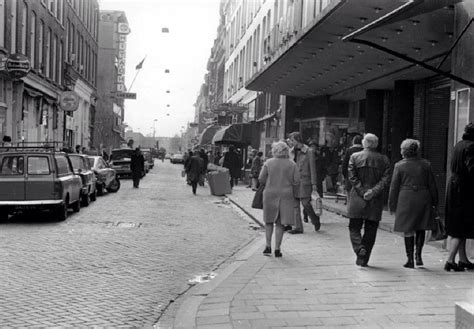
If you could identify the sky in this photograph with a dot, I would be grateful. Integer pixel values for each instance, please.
(184, 51)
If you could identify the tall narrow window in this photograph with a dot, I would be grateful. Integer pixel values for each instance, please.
(59, 10)
(33, 40)
(2, 25)
(60, 63)
(47, 64)
(23, 32)
(68, 31)
(13, 23)
(41, 47)
(54, 64)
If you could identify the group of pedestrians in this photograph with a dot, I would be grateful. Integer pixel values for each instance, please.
(290, 177)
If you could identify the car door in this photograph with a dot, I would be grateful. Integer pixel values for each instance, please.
(71, 183)
(12, 177)
(39, 178)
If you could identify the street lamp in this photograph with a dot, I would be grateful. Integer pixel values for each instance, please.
(154, 129)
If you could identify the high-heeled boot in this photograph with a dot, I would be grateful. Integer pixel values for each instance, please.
(409, 248)
(420, 241)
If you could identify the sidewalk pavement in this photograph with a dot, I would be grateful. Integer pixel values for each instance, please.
(316, 284)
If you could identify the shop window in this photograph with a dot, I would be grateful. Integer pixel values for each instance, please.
(462, 113)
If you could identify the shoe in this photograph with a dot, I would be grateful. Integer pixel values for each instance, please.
(409, 248)
(295, 231)
(317, 227)
(267, 251)
(287, 227)
(305, 219)
(466, 265)
(453, 266)
(278, 253)
(361, 257)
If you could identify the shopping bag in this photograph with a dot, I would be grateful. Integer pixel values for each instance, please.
(316, 203)
(439, 230)
(183, 173)
(257, 201)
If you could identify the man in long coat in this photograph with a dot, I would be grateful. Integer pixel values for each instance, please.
(233, 163)
(305, 162)
(369, 174)
(137, 166)
(194, 170)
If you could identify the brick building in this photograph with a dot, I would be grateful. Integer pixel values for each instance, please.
(59, 38)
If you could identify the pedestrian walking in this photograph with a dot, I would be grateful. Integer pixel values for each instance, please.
(413, 194)
(460, 201)
(306, 164)
(369, 174)
(137, 166)
(248, 166)
(194, 170)
(255, 170)
(356, 147)
(281, 178)
(232, 162)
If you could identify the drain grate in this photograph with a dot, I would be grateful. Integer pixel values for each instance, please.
(124, 224)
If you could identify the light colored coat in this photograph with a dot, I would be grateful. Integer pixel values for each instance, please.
(281, 178)
(306, 164)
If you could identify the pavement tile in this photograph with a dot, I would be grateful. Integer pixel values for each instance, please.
(216, 319)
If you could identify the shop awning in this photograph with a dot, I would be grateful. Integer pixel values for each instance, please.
(317, 62)
(205, 138)
(236, 134)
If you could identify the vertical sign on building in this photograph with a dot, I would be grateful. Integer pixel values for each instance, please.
(122, 30)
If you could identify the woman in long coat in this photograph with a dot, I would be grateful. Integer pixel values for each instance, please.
(413, 194)
(280, 177)
(194, 170)
(460, 201)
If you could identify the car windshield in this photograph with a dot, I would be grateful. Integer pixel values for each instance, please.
(76, 162)
(91, 162)
(121, 155)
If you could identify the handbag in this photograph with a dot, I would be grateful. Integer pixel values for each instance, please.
(183, 173)
(439, 230)
(257, 202)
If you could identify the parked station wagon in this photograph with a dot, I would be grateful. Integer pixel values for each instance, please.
(37, 179)
(81, 166)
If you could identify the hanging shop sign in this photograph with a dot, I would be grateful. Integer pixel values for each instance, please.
(126, 95)
(121, 61)
(17, 66)
(69, 101)
(123, 28)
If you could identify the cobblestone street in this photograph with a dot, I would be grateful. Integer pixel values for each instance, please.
(121, 260)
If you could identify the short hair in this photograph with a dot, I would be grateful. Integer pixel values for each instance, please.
(259, 154)
(370, 141)
(357, 139)
(469, 128)
(296, 135)
(410, 148)
(280, 150)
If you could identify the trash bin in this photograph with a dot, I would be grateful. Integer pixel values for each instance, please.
(219, 182)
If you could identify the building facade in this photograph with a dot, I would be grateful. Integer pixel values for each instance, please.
(109, 110)
(59, 40)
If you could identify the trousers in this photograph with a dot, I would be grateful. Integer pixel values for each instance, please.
(367, 240)
(306, 203)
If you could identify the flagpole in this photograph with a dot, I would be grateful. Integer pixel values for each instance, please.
(131, 85)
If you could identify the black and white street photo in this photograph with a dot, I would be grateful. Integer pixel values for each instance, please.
(237, 164)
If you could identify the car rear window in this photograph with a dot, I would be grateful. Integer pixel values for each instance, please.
(77, 162)
(38, 165)
(91, 162)
(11, 165)
(121, 155)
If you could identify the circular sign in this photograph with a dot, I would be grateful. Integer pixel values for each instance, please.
(69, 101)
(17, 66)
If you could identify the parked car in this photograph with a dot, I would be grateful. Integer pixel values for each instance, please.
(120, 160)
(81, 166)
(37, 179)
(106, 177)
(177, 158)
(147, 154)
(167, 156)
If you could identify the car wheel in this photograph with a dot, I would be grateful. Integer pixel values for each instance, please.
(94, 195)
(114, 186)
(60, 213)
(86, 200)
(76, 206)
(100, 190)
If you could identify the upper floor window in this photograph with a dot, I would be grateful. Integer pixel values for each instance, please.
(33, 40)
(41, 46)
(23, 32)
(52, 6)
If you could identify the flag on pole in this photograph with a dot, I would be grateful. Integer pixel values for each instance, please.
(140, 65)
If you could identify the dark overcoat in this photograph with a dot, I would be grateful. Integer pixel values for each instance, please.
(137, 164)
(232, 162)
(413, 194)
(460, 192)
(194, 168)
(368, 170)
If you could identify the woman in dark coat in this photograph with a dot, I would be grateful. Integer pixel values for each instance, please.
(460, 201)
(194, 169)
(413, 194)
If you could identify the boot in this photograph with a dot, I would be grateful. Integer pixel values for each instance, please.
(420, 240)
(409, 247)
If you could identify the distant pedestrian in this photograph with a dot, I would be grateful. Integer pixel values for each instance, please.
(255, 170)
(356, 147)
(232, 162)
(205, 159)
(217, 158)
(303, 156)
(248, 166)
(78, 149)
(137, 166)
(194, 170)
(413, 194)
(280, 177)
(369, 174)
(460, 201)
